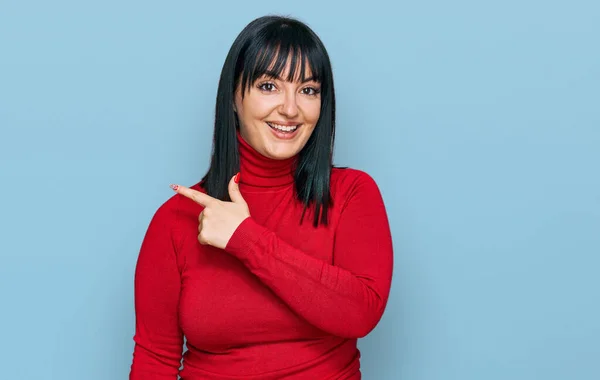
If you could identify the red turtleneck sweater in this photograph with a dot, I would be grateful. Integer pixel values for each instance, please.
(283, 300)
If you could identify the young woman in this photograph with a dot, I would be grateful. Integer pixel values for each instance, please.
(276, 262)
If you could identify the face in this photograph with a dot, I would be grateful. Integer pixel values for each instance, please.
(277, 117)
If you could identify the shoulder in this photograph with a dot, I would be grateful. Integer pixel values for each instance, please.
(349, 179)
(173, 220)
(173, 211)
(348, 184)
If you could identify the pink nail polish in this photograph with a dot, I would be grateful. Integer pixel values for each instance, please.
(174, 187)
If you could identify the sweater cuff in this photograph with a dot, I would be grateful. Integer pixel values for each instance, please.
(244, 238)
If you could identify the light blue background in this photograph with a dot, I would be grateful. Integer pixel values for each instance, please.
(480, 122)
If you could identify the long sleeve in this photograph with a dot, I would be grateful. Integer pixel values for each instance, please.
(346, 299)
(158, 337)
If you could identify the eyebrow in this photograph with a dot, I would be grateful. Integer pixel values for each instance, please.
(274, 75)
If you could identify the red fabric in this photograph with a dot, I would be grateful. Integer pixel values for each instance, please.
(283, 300)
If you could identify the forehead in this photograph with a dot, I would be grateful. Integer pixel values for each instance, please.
(285, 62)
(298, 71)
(290, 64)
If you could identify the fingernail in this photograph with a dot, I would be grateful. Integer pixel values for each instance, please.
(237, 178)
(174, 187)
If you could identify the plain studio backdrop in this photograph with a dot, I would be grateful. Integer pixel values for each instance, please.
(480, 122)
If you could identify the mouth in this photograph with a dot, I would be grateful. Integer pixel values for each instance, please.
(284, 128)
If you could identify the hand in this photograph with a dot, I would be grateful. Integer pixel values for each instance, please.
(219, 220)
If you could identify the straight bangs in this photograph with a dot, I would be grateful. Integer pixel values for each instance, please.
(271, 53)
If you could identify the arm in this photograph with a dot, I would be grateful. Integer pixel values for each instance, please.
(346, 299)
(158, 338)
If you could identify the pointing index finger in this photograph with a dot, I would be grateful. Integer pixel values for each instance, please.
(198, 197)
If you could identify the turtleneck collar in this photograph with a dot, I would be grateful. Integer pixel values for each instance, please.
(260, 171)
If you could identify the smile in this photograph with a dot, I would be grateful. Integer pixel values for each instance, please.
(283, 128)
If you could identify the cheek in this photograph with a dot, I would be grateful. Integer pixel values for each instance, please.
(258, 108)
(312, 111)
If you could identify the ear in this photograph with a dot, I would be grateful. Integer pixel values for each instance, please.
(235, 98)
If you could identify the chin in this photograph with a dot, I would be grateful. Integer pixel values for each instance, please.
(281, 154)
(280, 150)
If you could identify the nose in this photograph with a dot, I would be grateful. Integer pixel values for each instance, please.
(289, 106)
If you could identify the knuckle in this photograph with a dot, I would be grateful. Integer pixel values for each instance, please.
(202, 235)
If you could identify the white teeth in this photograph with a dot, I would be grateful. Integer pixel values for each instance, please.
(283, 128)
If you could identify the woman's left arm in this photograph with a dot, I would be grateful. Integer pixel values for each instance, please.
(346, 299)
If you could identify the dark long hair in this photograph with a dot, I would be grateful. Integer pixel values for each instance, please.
(264, 46)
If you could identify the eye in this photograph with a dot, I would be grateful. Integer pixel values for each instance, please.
(312, 91)
(267, 86)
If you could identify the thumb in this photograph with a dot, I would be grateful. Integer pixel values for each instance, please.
(234, 190)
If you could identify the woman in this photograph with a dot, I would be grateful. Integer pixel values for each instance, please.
(276, 262)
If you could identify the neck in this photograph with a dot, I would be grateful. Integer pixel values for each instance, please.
(261, 171)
